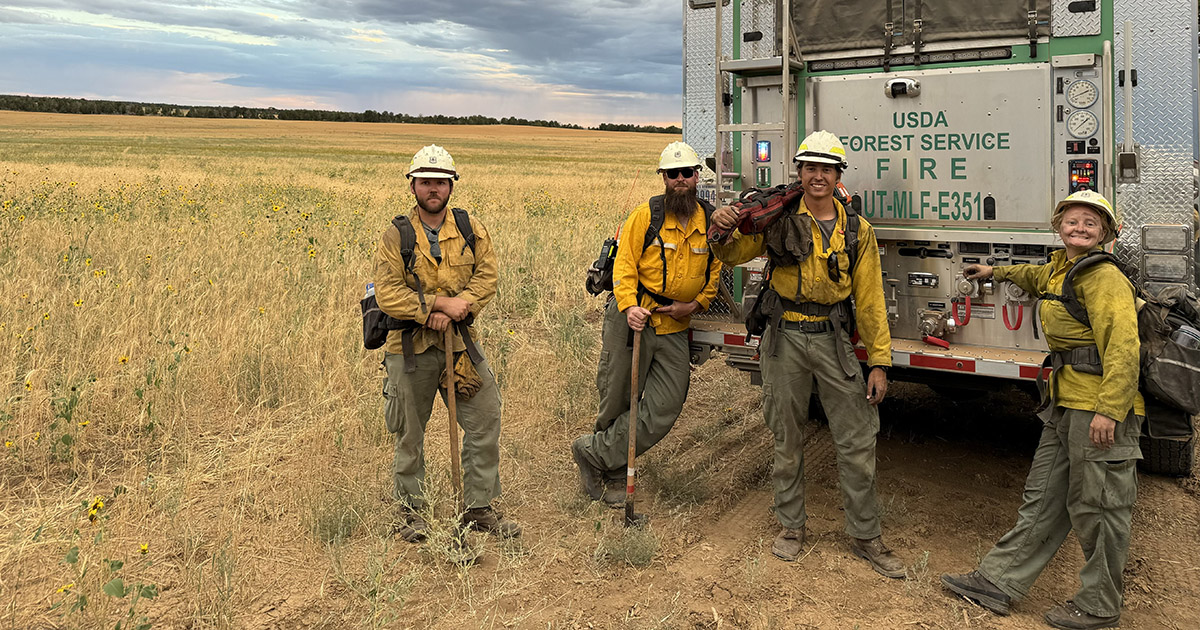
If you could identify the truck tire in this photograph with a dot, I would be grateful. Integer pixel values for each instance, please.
(1172, 458)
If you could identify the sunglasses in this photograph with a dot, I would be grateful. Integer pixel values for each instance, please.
(673, 173)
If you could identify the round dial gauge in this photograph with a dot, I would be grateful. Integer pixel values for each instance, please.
(1082, 93)
(1082, 124)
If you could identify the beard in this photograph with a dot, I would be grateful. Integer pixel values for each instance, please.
(682, 203)
(433, 206)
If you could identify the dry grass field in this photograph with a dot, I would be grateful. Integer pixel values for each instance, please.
(193, 434)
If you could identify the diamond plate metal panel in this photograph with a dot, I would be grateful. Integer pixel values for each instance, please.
(759, 16)
(1063, 23)
(1164, 116)
(699, 99)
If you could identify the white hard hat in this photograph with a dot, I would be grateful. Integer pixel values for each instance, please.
(678, 155)
(432, 161)
(1096, 201)
(821, 147)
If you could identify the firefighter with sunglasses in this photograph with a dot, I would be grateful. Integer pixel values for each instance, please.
(824, 276)
(663, 274)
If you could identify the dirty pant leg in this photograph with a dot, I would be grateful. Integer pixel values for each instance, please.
(479, 418)
(616, 360)
(1100, 503)
(853, 426)
(664, 388)
(787, 388)
(408, 403)
(1042, 521)
(407, 409)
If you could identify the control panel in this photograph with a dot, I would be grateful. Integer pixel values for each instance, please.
(1080, 139)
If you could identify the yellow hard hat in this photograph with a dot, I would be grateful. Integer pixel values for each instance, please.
(432, 161)
(821, 147)
(678, 155)
(1094, 200)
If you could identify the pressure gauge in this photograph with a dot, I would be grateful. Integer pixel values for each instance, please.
(1082, 124)
(1082, 93)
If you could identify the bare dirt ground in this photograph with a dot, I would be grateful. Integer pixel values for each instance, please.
(950, 481)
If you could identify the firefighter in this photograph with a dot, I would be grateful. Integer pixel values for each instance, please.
(662, 275)
(821, 256)
(1083, 476)
(443, 283)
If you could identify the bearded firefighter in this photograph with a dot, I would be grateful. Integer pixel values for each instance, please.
(662, 275)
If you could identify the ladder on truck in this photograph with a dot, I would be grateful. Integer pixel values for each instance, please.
(784, 65)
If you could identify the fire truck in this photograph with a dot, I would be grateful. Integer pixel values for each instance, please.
(964, 122)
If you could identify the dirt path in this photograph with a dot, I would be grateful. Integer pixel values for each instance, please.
(947, 492)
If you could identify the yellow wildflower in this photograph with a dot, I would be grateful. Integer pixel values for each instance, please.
(262, 311)
(78, 303)
(144, 548)
(87, 262)
(170, 288)
(21, 218)
(66, 588)
(85, 423)
(8, 443)
(28, 386)
(123, 359)
(100, 273)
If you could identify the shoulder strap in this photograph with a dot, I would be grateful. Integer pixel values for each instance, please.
(708, 209)
(408, 240)
(463, 221)
(408, 246)
(853, 223)
(1068, 297)
(653, 231)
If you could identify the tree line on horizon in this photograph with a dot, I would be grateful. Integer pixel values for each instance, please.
(65, 105)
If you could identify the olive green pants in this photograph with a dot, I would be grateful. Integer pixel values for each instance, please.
(801, 360)
(1073, 485)
(663, 377)
(408, 404)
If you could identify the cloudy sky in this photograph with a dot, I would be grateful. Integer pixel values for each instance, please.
(578, 61)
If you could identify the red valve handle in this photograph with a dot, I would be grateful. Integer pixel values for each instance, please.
(966, 314)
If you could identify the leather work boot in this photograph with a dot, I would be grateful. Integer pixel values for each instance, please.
(590, 477)
(978, 589)
(614, 493)
(409, 525)
(1070, 617)
(881, 558)
(485, 519)
(788, 544)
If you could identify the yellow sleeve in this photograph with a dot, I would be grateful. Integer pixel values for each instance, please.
(481, 288)
(1028, 277)
(392, 290)
(709, 292)
(869, 306)
(1108, 296)
(739, 248)
(625, 267)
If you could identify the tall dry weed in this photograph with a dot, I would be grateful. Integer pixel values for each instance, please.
(180, 338)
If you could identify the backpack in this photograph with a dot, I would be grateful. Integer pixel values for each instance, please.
(767, 305)
(376, 323)
(1170, 371)
(600, 273)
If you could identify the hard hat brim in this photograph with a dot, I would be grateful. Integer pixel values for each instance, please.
(432, 174)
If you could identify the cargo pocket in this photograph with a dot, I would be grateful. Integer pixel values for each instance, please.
(393, 407)
(602, 374)
(1110, 484)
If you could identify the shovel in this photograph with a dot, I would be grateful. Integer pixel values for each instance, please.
(633, 519)
(460, 551)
